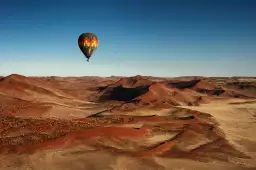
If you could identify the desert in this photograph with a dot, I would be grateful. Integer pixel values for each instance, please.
(128, 85)
(138, 122)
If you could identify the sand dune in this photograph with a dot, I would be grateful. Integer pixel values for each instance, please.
(140, 91)
(127, 122)
(21, 86)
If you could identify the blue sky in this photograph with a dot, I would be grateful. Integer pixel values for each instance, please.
(146, 37)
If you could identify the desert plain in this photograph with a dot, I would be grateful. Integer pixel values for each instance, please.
(121, 123)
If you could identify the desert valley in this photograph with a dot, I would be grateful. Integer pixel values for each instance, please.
(118, 123)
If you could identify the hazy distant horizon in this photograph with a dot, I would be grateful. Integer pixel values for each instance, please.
(167, 69)
(169, 39)
(131, 76)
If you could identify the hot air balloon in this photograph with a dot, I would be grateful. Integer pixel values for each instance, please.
(88, 43)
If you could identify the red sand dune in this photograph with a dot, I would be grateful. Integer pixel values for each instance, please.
(187, 131)
(160, 93)
(198, 85)
(79, 137)
(153, 94)
(139, 90)
(20, 86)
(131, 82)
(243, 87)
(158, 150)
(18, 107)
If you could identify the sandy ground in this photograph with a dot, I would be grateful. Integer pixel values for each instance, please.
(75, 159)
(237, 118)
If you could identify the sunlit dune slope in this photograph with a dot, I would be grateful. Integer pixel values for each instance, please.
(28, 88)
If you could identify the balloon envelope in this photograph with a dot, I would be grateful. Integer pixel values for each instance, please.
(88, 43)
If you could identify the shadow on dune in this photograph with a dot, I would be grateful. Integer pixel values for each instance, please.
(200, 86)
(184, 84)
(121, 93)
